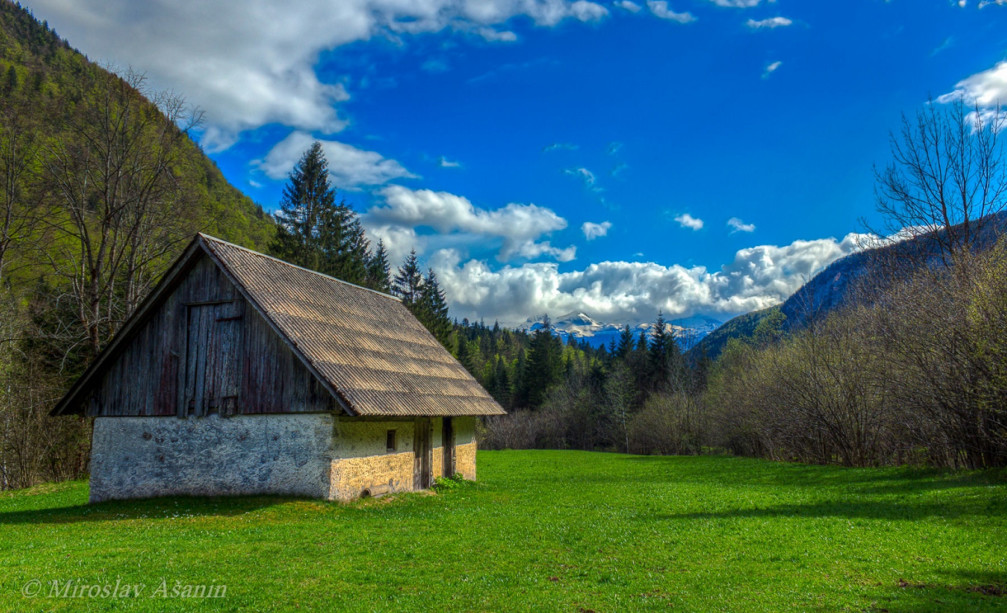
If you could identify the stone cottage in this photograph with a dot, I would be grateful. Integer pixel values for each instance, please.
(243, 374)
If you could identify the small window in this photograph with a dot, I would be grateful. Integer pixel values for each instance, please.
(390, 441)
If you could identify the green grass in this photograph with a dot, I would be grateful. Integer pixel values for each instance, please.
(541, 531)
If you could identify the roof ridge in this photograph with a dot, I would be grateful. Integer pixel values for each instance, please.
(285, 263)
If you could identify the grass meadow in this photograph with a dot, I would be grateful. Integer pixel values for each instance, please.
(540, 531)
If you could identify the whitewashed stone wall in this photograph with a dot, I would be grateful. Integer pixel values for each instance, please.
(140, 457)
(317, 455)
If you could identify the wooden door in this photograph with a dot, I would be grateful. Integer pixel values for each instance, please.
(422, 454)
(448, 442)
(213, 347)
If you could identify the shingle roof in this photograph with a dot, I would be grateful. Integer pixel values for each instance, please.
(364, 346)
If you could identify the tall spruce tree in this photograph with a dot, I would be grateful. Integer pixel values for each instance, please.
(409, 280)
(432, 309)
(313, 230)
(501, 384)
(544, 367)
(625, 346)
(343, 247)
(379, 274)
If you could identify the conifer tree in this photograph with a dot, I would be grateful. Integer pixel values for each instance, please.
(501, 380)
(379, 275)
(432, 309)
(625, 345)
(315, 232)
(342, 244)
(544, 367)
(409, 280)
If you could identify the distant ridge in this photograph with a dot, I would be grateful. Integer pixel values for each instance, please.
(832, 288)
(688, 331)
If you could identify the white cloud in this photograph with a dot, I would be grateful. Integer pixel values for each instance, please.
(987, 88)
(349, 167)
(587, 11)
(743, 4)
(632, 7)
(251, 63)
(595, 230)
(986, 3)
(517, 228)
(559, 146)
(771, 68)
(756, 278)
(988, 91)
(583, 174)
(737, 225)
(660, 9)
(443, 162)
(688, 221)
(768, 24)
(497, 36)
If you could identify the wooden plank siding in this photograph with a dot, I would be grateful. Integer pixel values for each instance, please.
(201, 351)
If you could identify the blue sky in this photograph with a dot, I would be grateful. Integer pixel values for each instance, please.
(616, 158)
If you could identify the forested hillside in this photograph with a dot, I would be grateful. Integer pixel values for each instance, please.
(102, 185)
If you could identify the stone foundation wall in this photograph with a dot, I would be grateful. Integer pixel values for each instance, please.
(361, 460)
(316, 455)
(465, 460)
(142, 457)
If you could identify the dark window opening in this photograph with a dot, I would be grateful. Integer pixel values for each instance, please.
(390, 441)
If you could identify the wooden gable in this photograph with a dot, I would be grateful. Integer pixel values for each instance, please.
(202, 350)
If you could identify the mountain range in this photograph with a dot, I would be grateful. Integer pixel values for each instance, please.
(581, 326)
(835, 286)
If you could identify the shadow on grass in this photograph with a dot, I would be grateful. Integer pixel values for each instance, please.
(149, 508)
(852, 509)
(963, 591)
(742, 471)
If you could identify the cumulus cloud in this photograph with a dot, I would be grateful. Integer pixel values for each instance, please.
(443, 162)
(688, 221)
(756, 278)
(771, 68)
(349, 167)
(517, 228)
(987, 88)
(768, 24)
(595, 230)
(632, 7)
(659, 8)
(737, 225)
(251, 63)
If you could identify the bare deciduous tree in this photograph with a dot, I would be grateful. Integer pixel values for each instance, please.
(947, 176)
(117, 199)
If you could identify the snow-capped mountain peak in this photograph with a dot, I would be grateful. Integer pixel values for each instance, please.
(688, 331)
